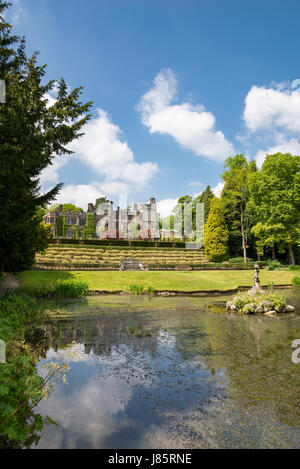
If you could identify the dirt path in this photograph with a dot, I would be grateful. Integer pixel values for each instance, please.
(9, 283)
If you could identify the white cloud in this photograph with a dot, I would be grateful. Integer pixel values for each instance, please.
(191, 126)
(218, 189)
(102, 149)
(269, 108)
(290, 146)
(16, 13)
(80, 194)
(165, 206)
(51, 173)
(196, 183)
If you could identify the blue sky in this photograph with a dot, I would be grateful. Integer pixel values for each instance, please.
(177, 87)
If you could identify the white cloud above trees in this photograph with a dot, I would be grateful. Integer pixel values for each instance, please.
(273, 115)
(102, 149)
(191, 126)
(272, 108)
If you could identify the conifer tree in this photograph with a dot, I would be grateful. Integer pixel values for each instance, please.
(216, 233)
(32, 134)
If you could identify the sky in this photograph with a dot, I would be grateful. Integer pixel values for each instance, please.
(177, 87)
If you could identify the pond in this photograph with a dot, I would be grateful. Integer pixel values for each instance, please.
(175, 372)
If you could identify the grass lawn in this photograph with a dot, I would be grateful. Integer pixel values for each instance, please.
(184, 281)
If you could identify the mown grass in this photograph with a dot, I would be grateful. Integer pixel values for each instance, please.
(181, 281)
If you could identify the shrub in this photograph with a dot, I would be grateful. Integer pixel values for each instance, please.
(274, 265)
(251, 304)
(294, 267)
(296, 281)
(216, 234)
(239, 260)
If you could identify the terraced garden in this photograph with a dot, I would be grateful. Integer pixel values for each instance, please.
(109, 258)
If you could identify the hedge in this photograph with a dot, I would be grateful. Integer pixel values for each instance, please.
(118, 242)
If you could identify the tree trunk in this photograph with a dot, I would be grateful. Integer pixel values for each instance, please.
(291, 255)
(273, 253)
(244, 243)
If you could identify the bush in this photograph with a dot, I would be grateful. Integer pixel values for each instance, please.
(261, 303)
(216, 234)
(119, 242)
(239, 260)
(294, 267)
(296, 281)
(274, 265)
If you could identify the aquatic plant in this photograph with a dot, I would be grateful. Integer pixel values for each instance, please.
(70, 288)
(139, 290)
(62, 288)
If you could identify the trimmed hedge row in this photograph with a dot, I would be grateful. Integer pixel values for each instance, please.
(118, 242)
(151, 266)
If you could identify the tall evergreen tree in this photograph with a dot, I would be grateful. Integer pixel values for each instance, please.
(216, 233)
(204, 198)
(32, 134)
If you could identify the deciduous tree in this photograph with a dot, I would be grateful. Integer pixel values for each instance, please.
(275, 197)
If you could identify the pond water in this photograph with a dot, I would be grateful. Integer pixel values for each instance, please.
(172, 373)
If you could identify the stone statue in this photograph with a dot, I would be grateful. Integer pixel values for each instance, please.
(256, 289)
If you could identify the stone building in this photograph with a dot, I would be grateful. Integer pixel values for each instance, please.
(102, 221)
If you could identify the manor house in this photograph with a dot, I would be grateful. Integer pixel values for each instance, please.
(102, 221)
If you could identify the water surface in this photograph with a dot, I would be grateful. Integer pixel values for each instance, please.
(173, 373)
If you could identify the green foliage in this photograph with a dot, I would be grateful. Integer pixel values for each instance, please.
(66, 208)
(260, 303)
(70, 288)
(296, 281)
(204, 198)
(216, 234)
(294, 267)
(234, 199)
(238, 260)
(32, 134)
(139, 290)
(274, 265)
(21, 388)
(275, 198)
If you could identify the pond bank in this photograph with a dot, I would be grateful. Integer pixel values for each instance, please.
(201, 293)
(200, 282)
(9, 283)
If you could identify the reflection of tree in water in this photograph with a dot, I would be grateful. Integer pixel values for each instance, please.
(256, 353)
